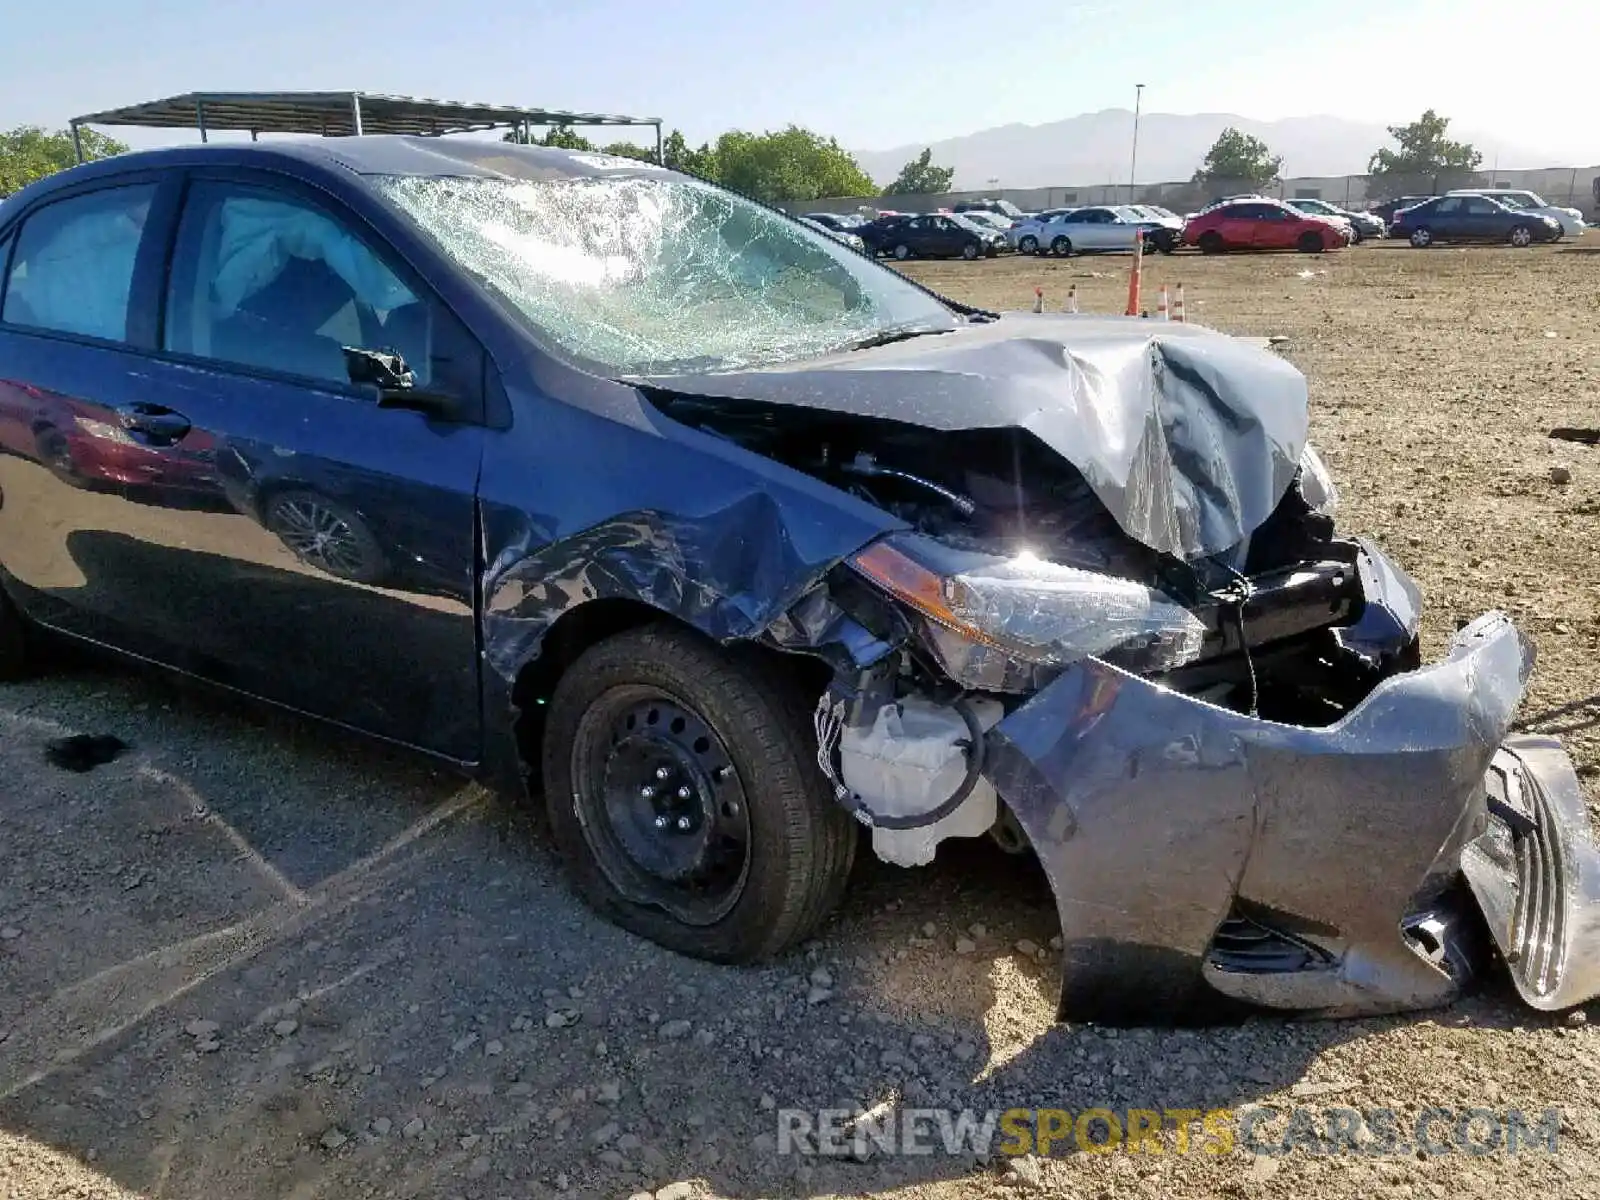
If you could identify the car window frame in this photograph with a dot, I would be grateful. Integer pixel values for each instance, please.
(476, 409)
(145, 289)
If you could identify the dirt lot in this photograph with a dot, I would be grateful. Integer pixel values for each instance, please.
(254, 958)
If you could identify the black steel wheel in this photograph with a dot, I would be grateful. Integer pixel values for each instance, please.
(1311, 243)
(684, 795)
(1211, 242)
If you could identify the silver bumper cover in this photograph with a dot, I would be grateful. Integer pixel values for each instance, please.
(1158, 818)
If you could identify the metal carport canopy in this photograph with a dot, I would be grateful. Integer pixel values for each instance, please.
(339, 114)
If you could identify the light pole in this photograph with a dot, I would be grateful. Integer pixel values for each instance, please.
(1133, 165)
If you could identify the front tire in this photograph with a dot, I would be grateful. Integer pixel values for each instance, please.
(1061, 247)
(1311, 243)
(1521, 236)
(1211, 242)
(969, 251)
(1028, 245)
(754, 851)
(902, 251)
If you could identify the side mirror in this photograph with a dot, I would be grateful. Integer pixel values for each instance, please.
(396, 384)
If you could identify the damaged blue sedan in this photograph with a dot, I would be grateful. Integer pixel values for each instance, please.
(748, 554)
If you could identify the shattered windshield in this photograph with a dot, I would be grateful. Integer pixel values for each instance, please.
(651, 274)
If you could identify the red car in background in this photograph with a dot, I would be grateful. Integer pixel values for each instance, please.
(82, 448)
(1262, 225)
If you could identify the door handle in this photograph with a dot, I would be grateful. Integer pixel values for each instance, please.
(155, 422)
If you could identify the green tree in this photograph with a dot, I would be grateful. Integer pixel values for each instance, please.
(28, 153)
(1236, 155)
(680, 156)
(920, 177)
(1425, 150)
(559, 136)
(630, 150)
(792, 164)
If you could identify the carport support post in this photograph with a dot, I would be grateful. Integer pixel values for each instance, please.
(77, 142)
(200, 117)
(661, 161)
(355, 113)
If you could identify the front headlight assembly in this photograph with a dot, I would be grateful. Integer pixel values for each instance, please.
(1316, 485)
(1009, 624)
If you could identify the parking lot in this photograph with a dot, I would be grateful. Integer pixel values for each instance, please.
(256, 958)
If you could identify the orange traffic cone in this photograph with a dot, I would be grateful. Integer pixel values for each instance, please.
(1177, 306)
(1072, 299)
(1133, 275)
(1162, 312)
(1038, 299)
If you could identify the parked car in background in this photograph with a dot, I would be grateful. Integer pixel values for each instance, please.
(1570, 219)
(930, 235)
(1471, 217)
(853, 240)
(1362, 225)
(1025, 233)
(839, 222)
(1101, 228)
(1002, 208)
(988, 220)
(1264, 225)
(1386, 210)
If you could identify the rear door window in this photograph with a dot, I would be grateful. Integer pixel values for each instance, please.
(72, 268)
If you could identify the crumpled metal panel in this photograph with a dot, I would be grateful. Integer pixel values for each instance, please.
(1188, 437)
(616, 501)
(1152, 813)
(1535, 872)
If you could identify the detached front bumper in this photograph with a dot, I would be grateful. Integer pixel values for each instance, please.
(1196, 852)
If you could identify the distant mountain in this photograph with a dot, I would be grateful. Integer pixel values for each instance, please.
(1094, 148)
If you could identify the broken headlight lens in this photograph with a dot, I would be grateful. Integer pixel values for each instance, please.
(1316, 485)
(1012, 615)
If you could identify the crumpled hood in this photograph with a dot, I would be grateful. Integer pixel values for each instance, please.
(1188, 437)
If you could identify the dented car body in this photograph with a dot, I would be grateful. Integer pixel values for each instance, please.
(735, 545)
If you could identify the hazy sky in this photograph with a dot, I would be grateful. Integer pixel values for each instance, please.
(871, 73)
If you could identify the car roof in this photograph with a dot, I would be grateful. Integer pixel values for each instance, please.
(369, 155)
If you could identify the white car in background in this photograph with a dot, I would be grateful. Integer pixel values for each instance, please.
(990, 220)
(839, 235)
(1570, 219)
(1024, 235)
(1100, 228)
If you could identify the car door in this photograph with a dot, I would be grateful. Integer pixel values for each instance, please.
(1448, 219)
(1237, 225)
(948, 237)
(1272, 227)
(332, 566)
(1485, 220)
(1087, 228)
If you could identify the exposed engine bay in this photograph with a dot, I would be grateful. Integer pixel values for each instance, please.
(1269, 610)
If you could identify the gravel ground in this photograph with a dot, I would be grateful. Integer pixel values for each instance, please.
(255, 958)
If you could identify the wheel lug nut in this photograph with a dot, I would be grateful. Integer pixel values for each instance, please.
(663, 772)
(647, 792)
(661, 822)
(683, 824)
(684, 793)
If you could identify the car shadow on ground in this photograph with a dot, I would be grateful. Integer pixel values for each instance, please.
(257, 957)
